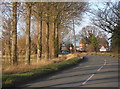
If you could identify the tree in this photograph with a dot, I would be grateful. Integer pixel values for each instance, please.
(74, 36)
(94, 43)
(93, 38)
(14, 34)
(68, 12)
(28, 17)
(108, 19)
(88, 30)
(115, 43)
(38, 13)
(50, 27)
(47, 30)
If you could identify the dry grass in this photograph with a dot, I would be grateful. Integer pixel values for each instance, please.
(69, 56)
(24, 67)
(10, 69)
(13, 80)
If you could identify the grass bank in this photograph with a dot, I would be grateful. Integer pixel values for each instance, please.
(8, 68)
(104, 54)
(13, 80)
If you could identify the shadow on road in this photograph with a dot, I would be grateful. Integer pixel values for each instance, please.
(79, 72)
(59, 72)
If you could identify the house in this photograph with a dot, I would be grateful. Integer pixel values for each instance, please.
(103, 49)
(82, 45)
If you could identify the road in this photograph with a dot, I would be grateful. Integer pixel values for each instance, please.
(93, 71)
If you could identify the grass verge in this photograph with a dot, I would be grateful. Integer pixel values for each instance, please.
(104, 54)
(13, 80)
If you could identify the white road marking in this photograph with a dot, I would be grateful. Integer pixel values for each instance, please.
(105, 62)
(94, 74)
(88, 79)
(75, 67)
(100, 68)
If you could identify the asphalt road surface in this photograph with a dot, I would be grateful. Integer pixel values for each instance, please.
(93, 71)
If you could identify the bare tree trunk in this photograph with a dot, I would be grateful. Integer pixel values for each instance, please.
(74, 36)
(57, 41)
(53, 41)
(9, 44)
(47, 32)
(28, 16)
(47, 40)
(14, 34)
(39, 45)
(9, 49)
(44, 39)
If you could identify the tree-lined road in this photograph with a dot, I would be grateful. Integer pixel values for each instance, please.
(93, 71)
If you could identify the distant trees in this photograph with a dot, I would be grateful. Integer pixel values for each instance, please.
(94, 42)
(93, 38)
(108, 19)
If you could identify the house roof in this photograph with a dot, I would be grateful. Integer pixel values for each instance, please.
(103, 46)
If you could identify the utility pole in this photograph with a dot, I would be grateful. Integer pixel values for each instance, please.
(74, 36)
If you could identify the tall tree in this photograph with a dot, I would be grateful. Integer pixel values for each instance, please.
(28, 17)
(108, 19)
(14, 34)
(74, 36)
(47, 29)
(38, 13)
(39, 44)
(58, 10)
(66, 12)
(94, 43)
